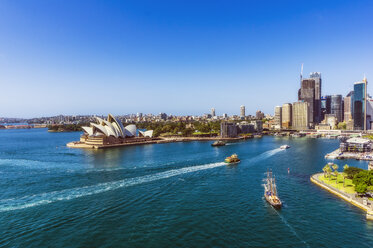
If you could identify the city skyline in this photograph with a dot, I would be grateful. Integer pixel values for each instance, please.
(197, 56)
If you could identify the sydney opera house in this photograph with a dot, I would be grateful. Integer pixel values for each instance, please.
(112, 131)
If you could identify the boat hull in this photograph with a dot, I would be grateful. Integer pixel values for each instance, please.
(215, 145)
(275, 204)
(232, 163)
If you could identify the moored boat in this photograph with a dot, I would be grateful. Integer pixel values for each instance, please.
(232, 159)
(270, 191)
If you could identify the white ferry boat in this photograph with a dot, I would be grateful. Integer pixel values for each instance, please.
(284, 147)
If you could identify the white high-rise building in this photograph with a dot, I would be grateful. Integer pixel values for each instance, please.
(242, 111)
(278, 117)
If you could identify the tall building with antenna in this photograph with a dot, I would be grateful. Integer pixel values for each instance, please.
(310, 92)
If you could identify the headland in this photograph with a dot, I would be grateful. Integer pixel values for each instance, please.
(346, 192)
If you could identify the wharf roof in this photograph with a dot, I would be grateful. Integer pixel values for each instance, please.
(358, 141)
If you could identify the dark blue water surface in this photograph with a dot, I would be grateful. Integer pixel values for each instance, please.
(169, 195)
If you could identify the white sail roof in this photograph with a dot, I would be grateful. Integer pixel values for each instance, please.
(88, 130)
(130, 130)
(113, 127)
(148, 133)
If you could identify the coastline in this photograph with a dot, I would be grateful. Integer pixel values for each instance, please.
(345, 196)
(337, 154)
(78, 144)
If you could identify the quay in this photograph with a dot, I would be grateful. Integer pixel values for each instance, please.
(351, 198)
(337, 154)
(135, 141)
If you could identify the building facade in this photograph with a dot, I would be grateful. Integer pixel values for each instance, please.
(242, 111)
(213, 112)
(360, 97)
(331, 120)
(347, 116)
(337, 107)
(228, 130)
(325, 106)
(307, 94)
(317, 111)
(278, 117)
(300, 115)
(286, 115)
(356, 145)
(259, 115)
(245, 128)
(258, 125)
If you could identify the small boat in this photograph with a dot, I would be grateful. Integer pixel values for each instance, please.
(284, 147)
(218, 143)
(232, 159)
(270, 191)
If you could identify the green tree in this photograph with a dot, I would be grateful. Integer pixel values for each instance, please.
(187, 131)
(361, 188)
(370, 188)
(352, 171)
(335, 168)
(328, 170)
(342, 125)
(345, 167)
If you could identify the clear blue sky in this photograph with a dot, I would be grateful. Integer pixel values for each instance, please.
(179, 57)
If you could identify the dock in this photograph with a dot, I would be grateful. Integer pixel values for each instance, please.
(337, 154)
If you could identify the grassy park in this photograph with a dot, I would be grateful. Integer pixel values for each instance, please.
(337, 182)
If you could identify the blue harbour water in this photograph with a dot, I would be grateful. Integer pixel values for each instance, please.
(169, 195)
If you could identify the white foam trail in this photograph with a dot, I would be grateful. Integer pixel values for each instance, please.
(34, 164)
(291, 229)
(68, 194)
(264, 155)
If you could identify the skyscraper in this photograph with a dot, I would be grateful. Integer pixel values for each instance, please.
(278, 116)
(307, 94)
(337, 107)
(286, 115)
(300, 115)
(351, 95)
(242, 111)
(213, 112)
(317, 111)
(360, 97)
(325, 106)
(347, 108)
(259, 115)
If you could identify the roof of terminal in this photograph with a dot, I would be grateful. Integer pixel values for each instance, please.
(358, 141)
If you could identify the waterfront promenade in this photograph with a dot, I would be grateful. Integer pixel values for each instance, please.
(351, 198)
(78, 144)
(337, 154)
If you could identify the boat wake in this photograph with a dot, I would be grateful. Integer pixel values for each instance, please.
(232, 144)
(291, 229)
(264, 155)
(69, 194)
